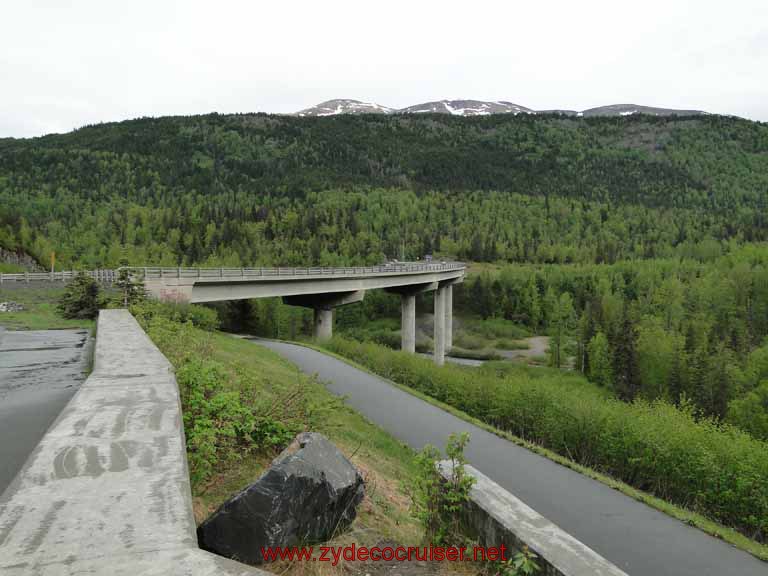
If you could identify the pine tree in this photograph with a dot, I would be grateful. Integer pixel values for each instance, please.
(131, 287)
(626, 381)
(81, 298)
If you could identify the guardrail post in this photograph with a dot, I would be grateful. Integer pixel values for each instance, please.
(26, 277)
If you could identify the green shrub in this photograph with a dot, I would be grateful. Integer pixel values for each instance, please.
(492, 328)
(750, 412)
(711, 468)
(469, 341)
(439, 501)
(228, 411)
(485, 354)
(200, 316)
(215, 419)
(509, 344)
(384, 331)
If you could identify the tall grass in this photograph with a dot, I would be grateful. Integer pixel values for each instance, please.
(710, 468)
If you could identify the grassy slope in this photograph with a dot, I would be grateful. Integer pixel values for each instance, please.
(40, 309)
(382, 458)
(712, 528)
(386, 464)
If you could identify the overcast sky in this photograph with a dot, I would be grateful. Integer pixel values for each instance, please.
(66, 63)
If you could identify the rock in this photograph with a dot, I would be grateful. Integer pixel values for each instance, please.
(11, 307)
(310, 493)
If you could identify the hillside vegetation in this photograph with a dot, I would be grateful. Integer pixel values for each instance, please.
(258, 189)
(242, 404)
(686, 331)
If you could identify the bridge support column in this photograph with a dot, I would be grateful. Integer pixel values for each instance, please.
(408, 323)
(323, 305)
(439, 336)
(323, 324)
(408, 312)
(448, 304)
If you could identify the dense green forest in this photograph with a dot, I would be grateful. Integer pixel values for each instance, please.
(258, 189)
(686, 331)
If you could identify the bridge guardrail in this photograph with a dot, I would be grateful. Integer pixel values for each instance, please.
(157, 272)
(106, 275)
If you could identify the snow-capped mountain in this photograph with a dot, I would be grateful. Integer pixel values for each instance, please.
(466, 108)
(629, 109)
(481, 108)
(334, 107)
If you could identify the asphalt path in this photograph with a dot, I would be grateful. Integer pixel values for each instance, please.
(40, 370)
(637, 538)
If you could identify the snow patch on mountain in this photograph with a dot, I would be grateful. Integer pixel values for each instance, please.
(344, 106)
(481, 108)
(465, 108)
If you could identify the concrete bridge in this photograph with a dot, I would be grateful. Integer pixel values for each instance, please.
(321, 289)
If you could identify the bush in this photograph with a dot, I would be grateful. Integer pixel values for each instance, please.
(215, 419)
(439, 501)
(750, 412)
(229, 411)
(492, 328)
(485, 354)
(711, 468)
(469, 341)
(81, 298)
(200, 316)
(508, 344)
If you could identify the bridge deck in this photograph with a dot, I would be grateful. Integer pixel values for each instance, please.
(281, 273)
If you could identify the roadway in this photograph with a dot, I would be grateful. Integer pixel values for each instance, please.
(637, 538)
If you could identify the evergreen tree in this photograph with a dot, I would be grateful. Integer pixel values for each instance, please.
(130, 287)
(81, 298)
(600, 361)
(625, 369)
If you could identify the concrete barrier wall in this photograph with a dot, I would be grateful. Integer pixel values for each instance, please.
(494, 517)
(107, 489)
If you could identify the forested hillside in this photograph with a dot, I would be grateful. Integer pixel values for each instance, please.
(258, 189)
(683, 331)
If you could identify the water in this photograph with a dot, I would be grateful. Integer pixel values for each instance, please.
(39, 372)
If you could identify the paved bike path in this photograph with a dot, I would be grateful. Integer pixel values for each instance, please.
(637, 538)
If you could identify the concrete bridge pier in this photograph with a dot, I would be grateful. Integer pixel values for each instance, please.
(448, 318)
(408, 312)
(323, 305)
(408, 323)
(439, 335)
(444, 320)
(323, 324)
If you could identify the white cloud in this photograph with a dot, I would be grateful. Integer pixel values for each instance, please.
(65, 64)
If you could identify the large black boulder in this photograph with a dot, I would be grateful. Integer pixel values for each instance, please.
(310, 492)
